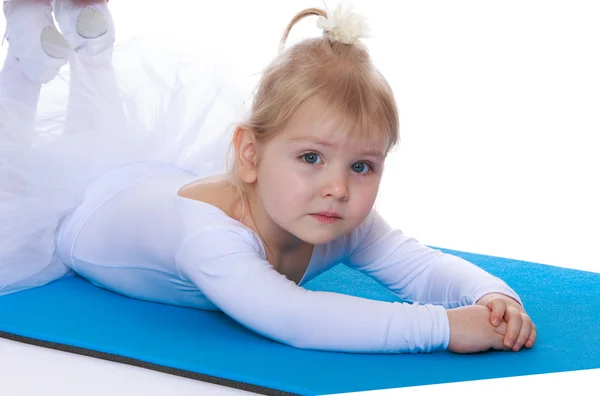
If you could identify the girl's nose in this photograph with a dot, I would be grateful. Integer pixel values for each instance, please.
(336, 186)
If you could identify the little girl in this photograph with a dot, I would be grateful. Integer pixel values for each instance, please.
(128, 197)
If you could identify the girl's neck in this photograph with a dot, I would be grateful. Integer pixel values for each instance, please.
(279, 243)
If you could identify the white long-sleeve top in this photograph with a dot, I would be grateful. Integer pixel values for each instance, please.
(135, 235)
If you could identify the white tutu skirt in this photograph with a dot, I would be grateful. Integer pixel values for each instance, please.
(145, 105)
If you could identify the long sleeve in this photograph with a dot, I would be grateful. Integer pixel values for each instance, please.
(227, 265)
(416, 272)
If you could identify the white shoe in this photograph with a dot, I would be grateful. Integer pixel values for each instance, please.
(33, 40)
(89, 29)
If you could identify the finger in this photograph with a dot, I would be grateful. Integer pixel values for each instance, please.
(532, 337)
(500, 330)
(498, 339)
(498, 343)
(514, 322)
(524, 334)
(498, 308)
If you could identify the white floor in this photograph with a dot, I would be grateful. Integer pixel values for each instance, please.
(499, 113)
(31, 371)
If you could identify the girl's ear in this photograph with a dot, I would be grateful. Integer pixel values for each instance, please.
(244, 142)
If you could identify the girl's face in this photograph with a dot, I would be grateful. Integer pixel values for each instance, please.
(314, 181)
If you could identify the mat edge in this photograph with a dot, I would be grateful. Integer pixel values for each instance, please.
(145, 365)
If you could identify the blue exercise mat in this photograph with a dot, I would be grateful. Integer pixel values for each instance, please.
(75, 316)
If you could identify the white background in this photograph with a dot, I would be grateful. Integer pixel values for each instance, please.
(500, 116)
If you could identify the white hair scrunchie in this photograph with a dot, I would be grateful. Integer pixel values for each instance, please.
(343, 24)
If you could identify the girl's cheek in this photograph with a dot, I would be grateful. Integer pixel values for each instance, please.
(367, 190)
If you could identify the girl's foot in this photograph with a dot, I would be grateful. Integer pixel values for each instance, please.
(87, 25)
(34, 43)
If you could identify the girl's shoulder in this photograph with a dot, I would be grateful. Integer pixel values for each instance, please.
(216, 191)
(208, 209)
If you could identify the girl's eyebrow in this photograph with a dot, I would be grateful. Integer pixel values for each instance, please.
(314, 140)
(373, 153)
(369, 152)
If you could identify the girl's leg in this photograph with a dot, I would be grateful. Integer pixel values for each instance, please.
(36, 51)
(89, 30)
(15, 86)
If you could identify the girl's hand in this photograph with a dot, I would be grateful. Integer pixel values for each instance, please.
(520, 330)
(471, 330)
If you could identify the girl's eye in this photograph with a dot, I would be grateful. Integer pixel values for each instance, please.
(361, 167)
(311, 158)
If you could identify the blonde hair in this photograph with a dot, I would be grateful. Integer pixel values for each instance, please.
(340, 75)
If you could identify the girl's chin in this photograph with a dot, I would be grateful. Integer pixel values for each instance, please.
(318, 237)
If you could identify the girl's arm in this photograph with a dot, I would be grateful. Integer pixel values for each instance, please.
(225, 265)
(416, 272)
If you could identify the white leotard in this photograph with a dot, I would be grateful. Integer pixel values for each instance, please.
(135, 235)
